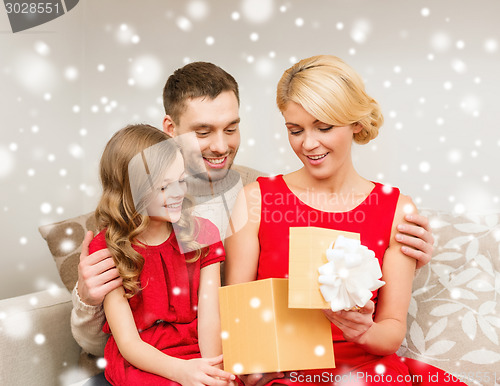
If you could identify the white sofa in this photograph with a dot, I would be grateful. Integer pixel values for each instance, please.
(453, 323)
(36, 345)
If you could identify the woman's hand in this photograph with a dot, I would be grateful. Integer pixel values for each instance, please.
(259, 379)
(353, 323)
(203, 371)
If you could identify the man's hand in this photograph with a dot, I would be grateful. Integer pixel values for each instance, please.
(97, 274)
(417, 239)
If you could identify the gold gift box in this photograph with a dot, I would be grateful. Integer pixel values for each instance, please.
(261, 334)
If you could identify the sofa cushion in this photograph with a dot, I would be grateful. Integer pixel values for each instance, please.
(454, 319)
(64, 240)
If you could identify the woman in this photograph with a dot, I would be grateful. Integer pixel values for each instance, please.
(325, 107)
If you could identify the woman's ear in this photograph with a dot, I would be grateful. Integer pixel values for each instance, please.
(356, 128)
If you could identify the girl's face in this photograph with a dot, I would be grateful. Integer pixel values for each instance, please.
(166, 203)
(323, 149)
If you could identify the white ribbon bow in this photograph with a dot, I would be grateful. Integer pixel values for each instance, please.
(350, 276)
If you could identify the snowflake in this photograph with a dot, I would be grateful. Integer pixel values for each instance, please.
(255, 302)
(319, 350)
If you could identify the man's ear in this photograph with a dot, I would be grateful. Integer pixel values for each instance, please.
(169, 125)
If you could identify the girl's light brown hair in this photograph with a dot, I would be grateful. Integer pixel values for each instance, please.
(127, 192)
(332, 92)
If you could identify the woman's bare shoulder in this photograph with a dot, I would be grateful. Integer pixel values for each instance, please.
(405, 205)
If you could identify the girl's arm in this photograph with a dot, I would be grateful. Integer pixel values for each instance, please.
(148, 358)
(242, 247)
(209, 338)
(384, 335)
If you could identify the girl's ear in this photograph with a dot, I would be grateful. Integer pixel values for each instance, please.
(169, 125)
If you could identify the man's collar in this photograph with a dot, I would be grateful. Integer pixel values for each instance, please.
(200, 186)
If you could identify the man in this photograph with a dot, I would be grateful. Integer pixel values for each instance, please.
(201, 100)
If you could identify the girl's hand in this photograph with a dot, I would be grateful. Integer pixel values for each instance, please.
(203, 371)
(353, 323)
(259, 379)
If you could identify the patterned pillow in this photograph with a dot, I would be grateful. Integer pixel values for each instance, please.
(64, 240)
(454, 319)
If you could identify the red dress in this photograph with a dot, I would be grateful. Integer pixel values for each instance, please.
(165, 310)
(372, 219)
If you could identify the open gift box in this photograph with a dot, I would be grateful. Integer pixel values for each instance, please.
(261, 334)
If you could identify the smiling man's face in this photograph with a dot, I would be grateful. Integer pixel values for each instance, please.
(215, 124)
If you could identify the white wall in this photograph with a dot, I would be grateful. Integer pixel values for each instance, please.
(67, 85)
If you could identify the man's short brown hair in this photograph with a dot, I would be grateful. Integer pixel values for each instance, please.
(195, 80)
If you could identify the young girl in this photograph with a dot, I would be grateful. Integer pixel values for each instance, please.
(164, 319)
(326, 108)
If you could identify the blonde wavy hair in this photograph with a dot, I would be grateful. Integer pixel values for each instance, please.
(331, 91)
(132, 166)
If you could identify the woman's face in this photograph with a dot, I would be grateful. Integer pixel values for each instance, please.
(168, 194)
(323, 149)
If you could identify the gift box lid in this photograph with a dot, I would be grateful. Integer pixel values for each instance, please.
(308, 247)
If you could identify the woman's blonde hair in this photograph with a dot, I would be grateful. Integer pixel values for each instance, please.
(331, 91)
(132, 164)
